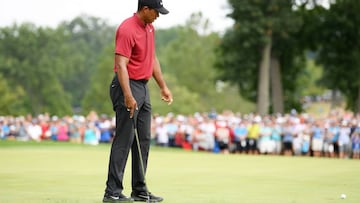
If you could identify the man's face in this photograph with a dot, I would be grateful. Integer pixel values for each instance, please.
(151, 15)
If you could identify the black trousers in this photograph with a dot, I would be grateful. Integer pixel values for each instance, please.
(124, 139)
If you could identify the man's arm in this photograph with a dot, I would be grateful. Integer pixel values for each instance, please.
(121, 63)
(157, 74)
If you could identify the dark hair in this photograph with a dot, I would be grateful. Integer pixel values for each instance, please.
(140, 5)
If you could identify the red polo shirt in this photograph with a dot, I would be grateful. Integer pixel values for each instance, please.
(136, 41)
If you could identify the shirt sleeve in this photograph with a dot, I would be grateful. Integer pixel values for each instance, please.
(124, 42)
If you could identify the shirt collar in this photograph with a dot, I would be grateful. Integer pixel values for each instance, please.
(139, 21)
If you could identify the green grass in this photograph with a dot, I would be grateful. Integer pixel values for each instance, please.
(71, 173)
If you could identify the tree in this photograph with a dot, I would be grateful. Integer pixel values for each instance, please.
(97, 96)
(68, 69)
(10, 102)
(191, 58)
(88, 36)
(33, 60)
(337, 37)
(262, 41)
(333, 34)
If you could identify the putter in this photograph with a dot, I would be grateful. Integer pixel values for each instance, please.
(141, 159)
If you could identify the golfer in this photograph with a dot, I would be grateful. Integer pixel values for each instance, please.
(135, 64)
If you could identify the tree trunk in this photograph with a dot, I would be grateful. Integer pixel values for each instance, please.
(264, 80)
(276, 86)
(335, 98)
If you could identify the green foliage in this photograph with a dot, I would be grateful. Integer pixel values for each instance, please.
(10, 98)
(185, 101)
(191, 58)
(70, 67)
(239, 53)
(165, 36)
(237, 62)
(53, 66)
(335, 34)
(340, 53)
(313, 74)
(97, 94)
(32, 62)
(88, 37)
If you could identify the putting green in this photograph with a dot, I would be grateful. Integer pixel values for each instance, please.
(63, 172)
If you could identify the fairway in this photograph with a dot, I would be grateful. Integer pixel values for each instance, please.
(72, 173)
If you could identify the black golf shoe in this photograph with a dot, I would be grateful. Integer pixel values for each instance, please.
(144, 196)
(120, 198)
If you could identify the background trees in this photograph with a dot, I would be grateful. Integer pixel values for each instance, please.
(265, 51)
(261, 54)
(190, 58)
(266, 57)
(31, 63)
(335, 36)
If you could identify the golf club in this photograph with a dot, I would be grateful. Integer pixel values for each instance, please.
(141, 159)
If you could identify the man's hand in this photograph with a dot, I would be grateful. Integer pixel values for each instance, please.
(131, 105)
(166, 95)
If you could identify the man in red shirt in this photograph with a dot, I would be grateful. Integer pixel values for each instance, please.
(135, 64)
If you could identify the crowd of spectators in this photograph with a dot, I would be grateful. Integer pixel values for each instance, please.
(295, 134)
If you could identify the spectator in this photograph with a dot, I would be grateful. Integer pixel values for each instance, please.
(73, 130)
(54, 124)
(180, 140)
(334, 134)
(13, 131)
(90, 134)
(356, 143)
(162, 136)
(276, 137)
(203, 140)
(288, 137)
(62, 131)
(240, 137)
(344, 140)
(317, 139)
(105, 129)
(253, 135)
(34, 130)
(306, 140)
(44, 124)
(185, 130)
(222, 136)
(266, 144)
(5, 129)
(298, 139)
(22, 132)
(171, 128)
(207, 125)
(328, 143)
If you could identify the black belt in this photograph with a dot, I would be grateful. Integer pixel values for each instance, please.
(143, 81)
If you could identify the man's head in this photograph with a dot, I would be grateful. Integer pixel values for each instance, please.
(153, 4)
